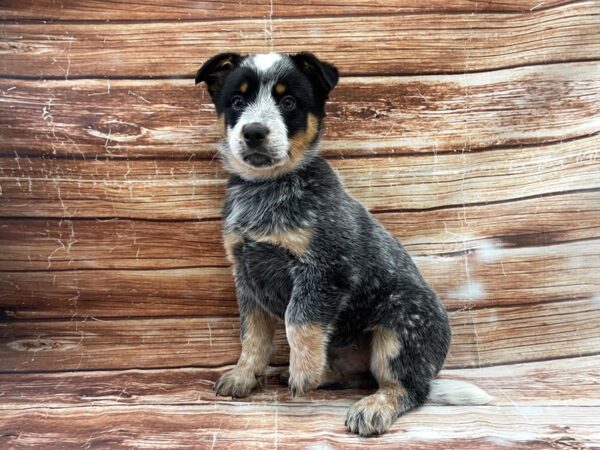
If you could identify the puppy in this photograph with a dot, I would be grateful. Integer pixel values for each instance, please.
(357, 312)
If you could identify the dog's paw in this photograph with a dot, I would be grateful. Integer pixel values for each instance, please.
(301, 382)
(236, 383)
(371, 416)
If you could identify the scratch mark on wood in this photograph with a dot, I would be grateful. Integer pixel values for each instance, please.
(138, 96)
(46, 114)
(539, 5)
(69, 58)
(102, 93)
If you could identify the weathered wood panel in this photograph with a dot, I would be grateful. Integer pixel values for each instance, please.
(34, 187)
(297, 425)
(118, 293)
(560, 382)
(191, 9)
(109, 188)
(385, 115)
(490, 275)
(64, 244)
(372, 45)
(529, 222)
(480, 337)
(491, 180)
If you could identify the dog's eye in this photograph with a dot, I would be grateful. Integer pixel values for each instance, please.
(288, 102)
(237, 102)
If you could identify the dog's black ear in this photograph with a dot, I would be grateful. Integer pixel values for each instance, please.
(322, 75)
(215, 70)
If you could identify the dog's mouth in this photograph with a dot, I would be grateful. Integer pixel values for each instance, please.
(257, 159)
(260, 158)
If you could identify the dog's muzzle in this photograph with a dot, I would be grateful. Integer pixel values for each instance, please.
(255, 152)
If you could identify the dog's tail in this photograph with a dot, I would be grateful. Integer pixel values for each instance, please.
(455, 392)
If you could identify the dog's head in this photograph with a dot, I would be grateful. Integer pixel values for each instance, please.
(271, 108)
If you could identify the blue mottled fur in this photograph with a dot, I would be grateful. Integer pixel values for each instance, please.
(350, 279)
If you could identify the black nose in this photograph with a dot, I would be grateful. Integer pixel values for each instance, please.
(254, 134)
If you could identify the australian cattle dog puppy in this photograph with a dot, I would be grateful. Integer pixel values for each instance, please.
(356, 310)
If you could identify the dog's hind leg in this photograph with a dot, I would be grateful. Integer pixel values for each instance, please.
(375, 414)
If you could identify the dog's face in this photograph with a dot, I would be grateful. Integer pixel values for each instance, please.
(271, 107)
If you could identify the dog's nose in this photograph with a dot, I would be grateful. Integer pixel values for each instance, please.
(254, 134)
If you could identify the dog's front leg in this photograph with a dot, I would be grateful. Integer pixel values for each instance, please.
(309, 319)
(308, 356)
(257, 332)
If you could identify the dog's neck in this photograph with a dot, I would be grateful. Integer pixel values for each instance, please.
(285, 202)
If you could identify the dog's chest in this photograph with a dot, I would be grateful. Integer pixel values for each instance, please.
(267, 270)
(260, 210)
(269, 231)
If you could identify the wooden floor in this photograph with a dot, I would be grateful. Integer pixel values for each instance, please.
(470, 129)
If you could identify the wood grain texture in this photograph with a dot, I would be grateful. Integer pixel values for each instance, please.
(65, 244)
(487, 275)
(372, 45)
(293, 425)
(33, 187)
(122, 293)
(469, 128)
(563, 382)
(480, 337)
(384, 115)
(191, 9)
(57, 244)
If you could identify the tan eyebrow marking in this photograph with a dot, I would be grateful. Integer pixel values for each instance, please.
(244, 87)
(280, 88)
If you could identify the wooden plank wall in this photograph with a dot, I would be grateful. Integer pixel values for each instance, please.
(471, 130)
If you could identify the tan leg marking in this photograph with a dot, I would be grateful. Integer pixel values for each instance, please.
(295, 241)
(299, 143)
(385, 347)
(257, 345)
(230, 240)
(257, 340)
(308, 356)
(376, 413)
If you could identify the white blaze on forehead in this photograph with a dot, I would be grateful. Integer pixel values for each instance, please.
(269, 66)
(265, 61)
